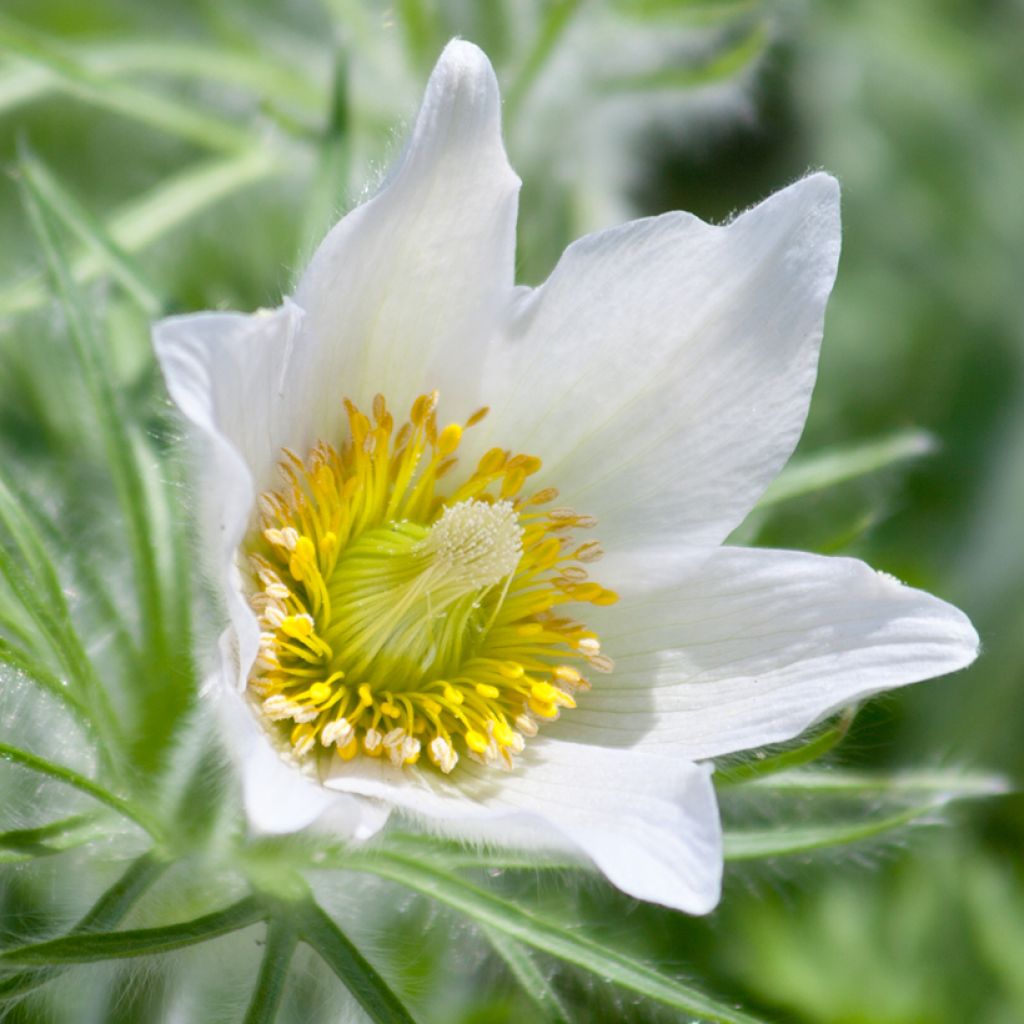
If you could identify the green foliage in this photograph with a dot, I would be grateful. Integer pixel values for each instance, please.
(180, 160)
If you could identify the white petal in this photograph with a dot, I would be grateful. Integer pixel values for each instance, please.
(649, 823)
(278, 797)
(753, 646)
(403, 293)
(663, 371)
(226, 372)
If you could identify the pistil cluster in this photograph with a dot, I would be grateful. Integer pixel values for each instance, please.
(399, 616)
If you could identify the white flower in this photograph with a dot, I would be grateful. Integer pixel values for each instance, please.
(659, 380)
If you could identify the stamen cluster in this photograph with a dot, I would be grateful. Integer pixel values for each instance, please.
(397, 618)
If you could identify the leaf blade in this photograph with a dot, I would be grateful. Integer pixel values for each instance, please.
(371, 991)
(273, 974)
(547, 937)
(93, 234)
(93, 946)
(77, 781)
(144, 105)
(820, 471)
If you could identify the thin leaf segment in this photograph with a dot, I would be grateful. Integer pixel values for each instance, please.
(399, 615)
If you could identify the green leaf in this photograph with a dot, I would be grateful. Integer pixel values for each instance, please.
(110, 909)
(329, 187)
(144, 105)
(119, 448)
(420, 32)
(107, 912)
(818, 472)
(686, 11)
(817, 746)
(26, 539)
(368, 988)
(557, 17)
(144, 221)
(257, 72)
(19, 845)
(787, 840)
(88, 581)
(270, 983)
(40, 597)
(892, 801)
(565, 944)
(942, 786)
(724, 63)
(79, 782)
(530, 978)
(89, 947)
(34, 670)
(127, 272)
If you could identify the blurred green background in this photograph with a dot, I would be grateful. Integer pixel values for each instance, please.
(217, 140)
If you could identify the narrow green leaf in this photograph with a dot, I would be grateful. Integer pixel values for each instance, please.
(557, 17)
(818, 472)
(259, 73)
(329, 188)
(725, 63)
(127, 272)
(817, 746)
(26, 538)
(943, 786)
(524, 926)
(419, 31)
(107, 912)
(20, 845)
(33, 669)
(72, 778)
(144, 105)
(144, 221)
(369, 989)
(110, 909)
(530, 978)
(687, 11)
(48, 612)
(92, 586)
(89, 947)
(270, 983)
(787, 840)
(116, 435)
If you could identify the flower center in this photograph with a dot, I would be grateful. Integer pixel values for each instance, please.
(397, 617)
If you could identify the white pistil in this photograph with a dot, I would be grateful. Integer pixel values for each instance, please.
(476, 543)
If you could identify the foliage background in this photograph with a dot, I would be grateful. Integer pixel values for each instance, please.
(639, 106)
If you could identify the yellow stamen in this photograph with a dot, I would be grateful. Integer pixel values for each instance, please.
(402, 616)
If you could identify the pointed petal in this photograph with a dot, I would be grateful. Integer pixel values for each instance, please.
(226, 373)
(648, 823)
(753, 646)
(664, 370)
(403, 293)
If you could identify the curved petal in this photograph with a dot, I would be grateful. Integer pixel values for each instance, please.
(278, 797)
(226, 373)
(754, 646)
(648, 823)
(402, 295)
(664, 370)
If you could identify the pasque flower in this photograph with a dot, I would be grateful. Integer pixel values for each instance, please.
(469, 535)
